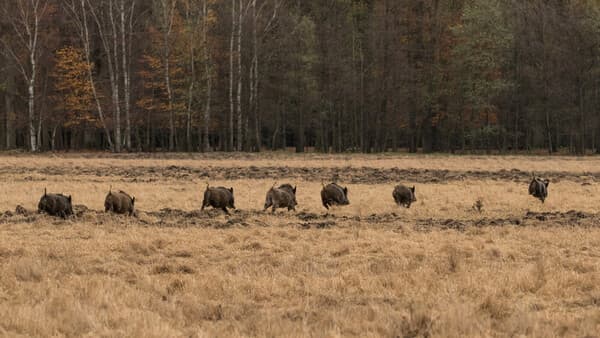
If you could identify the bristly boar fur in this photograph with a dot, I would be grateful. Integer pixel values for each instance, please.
(404, 195)
(119, 203)
(283, 196)
(333, 194)
(538, 188)
(56, 205)
(218, 198)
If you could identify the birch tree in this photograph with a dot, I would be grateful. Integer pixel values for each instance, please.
(25, 22)
(167, 13)
(192, 20)
(208, 75)
(240, 126)
(257, 38)
(231, 75)
(126, 15)
(104, 17)
(78, 12)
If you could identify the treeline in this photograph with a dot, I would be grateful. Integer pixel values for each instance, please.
(329, 75)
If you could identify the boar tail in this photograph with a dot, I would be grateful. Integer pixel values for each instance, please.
(44, 191)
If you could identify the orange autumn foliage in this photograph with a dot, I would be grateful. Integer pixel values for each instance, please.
(74, 91)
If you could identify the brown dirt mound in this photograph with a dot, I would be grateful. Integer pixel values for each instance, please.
(364, 175)
(243, 218)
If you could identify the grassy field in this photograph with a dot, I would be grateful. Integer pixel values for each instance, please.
(441, 268)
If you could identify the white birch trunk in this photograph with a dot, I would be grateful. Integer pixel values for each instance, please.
(208, 77)
(254, 81)
(240, 140)
(53, 138)
(188, 126)
(231, 104)
(115, 79)
(31, 85)
(113, 67)
(31, 110)
(168, 17)
(126, 55)
(27, 21)
(83, 29)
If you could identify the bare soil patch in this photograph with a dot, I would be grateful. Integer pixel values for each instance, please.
(212, 218)
(363, 175)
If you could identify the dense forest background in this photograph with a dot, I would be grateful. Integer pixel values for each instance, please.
(323, 75)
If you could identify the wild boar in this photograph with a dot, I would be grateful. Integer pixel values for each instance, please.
(282, 197)
(333, 194)
(119, 203)
(404, 195)
(289, 188)
(56, 205)
(538, 188)
(218, 198)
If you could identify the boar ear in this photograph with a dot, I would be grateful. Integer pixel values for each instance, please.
(132, 201)
(295, 189)
(69, 198)
(546, 183)
(345, 190)
(413, 189)
(231, 189)
(44, 191)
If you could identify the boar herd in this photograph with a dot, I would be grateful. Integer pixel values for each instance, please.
(278, 197)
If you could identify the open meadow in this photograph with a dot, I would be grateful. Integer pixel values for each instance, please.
(442, 268)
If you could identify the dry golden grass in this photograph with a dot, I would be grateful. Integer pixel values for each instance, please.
(102, 275)
(441, 162)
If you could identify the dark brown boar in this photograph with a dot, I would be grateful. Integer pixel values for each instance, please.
(333, 194)
(218, 198)
(538, 188)
(56, 205)
(283, 196)
(404, 195)
(119, 203)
